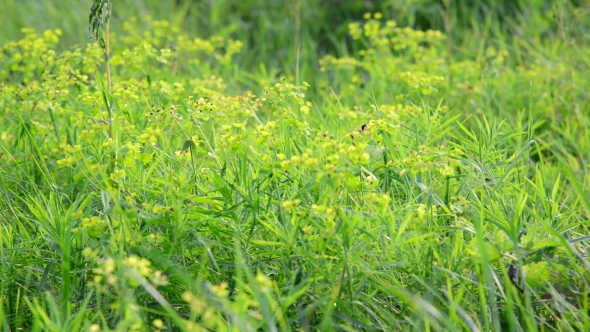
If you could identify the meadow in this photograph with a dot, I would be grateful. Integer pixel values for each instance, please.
(412, 165)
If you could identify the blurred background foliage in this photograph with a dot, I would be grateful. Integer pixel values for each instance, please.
(508, 44)
(276, 32)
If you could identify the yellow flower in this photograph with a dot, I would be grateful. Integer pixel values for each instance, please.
(95, 226)
(263, 281)
(221, 289)
(158, 323)
(290, 205)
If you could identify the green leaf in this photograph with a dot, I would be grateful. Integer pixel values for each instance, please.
(188, 144)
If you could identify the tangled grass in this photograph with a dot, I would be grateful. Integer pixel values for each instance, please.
(406, 187)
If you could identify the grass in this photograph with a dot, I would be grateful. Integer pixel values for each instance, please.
(399, 179)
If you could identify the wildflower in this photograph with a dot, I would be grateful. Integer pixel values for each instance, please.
(330, 168)
(290, 205)
(330, 213)
(106, 268)
(66, 162)
(423, 211)
(95, 226)
(159, 209)
(285, 164)
(382, 199)
(159, 279)
(263, 280)
(371, 181)
(221, 290)
(317, 209)
(158, 323)
(118, 174)
(295, 160)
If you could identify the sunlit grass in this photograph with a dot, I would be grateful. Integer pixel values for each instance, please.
(413, 184)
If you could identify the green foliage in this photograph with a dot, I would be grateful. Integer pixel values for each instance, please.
(406, 180)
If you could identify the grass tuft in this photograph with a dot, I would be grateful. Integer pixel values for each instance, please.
(425, 172)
